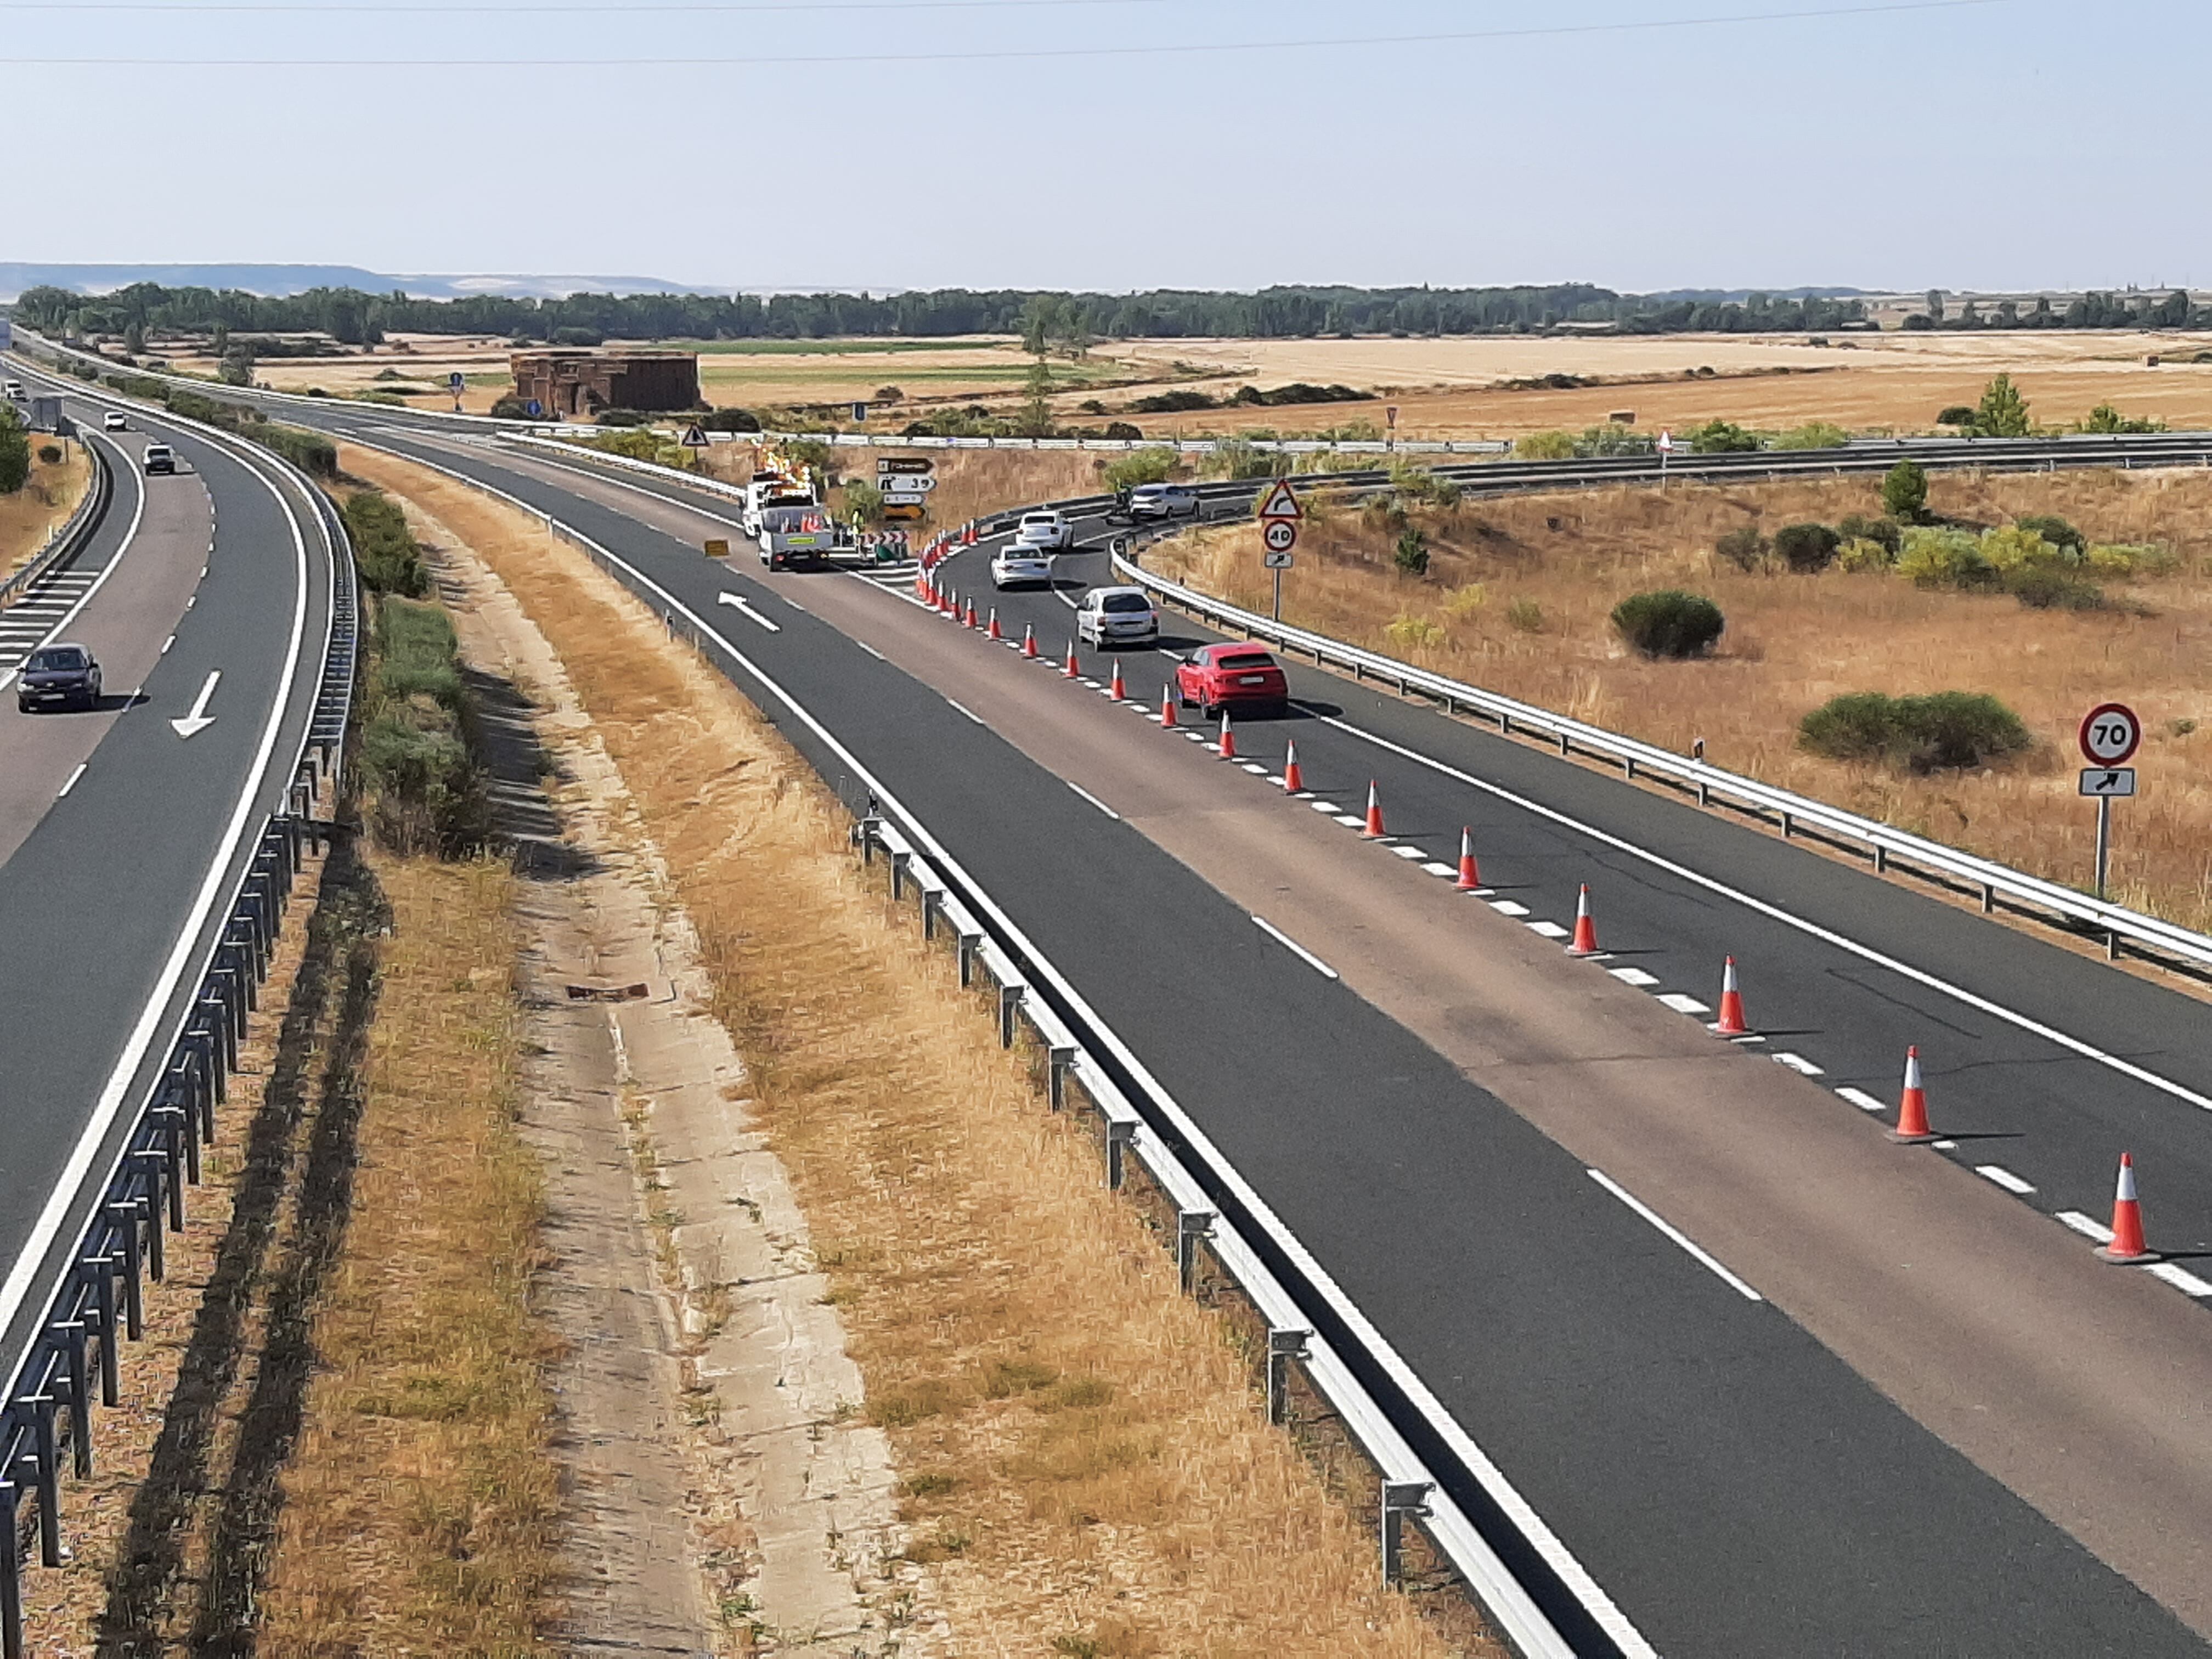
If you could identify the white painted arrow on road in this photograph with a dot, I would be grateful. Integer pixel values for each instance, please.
(733, 599)
(199, 719)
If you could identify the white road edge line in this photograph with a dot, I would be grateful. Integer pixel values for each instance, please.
(1827, 936)
(1578, 1578)
(73, 777)
(962, 708)
(1294, 947)
(1093, 800)
(1674, 1233)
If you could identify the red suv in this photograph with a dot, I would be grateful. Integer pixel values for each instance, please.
(1239, 677)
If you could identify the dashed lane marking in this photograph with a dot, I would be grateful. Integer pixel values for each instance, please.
(2004, 1178)
(1862, 1100)
(1549, 929)
(1508, 908)
(1681, 1004)
(1799, 1064)
(1635, 977)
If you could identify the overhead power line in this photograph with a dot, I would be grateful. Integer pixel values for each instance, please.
(1016, 54)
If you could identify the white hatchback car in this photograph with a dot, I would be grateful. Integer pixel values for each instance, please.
(1017, 564)
(1116, 616)
(115, 421)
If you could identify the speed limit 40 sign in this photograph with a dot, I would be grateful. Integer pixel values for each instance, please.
(2111, 734)
(1281, 535)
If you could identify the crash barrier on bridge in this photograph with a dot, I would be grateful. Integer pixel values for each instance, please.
(1429, 1469)
(98, 1298)
(2119, 930)
(70, 537)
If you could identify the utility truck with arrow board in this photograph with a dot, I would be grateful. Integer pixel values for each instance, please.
(785, 513)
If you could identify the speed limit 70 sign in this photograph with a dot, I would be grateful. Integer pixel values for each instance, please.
(2111, 734)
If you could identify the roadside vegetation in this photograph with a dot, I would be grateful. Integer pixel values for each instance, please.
(1970, 609)
(1084, 1469)
(42, 479)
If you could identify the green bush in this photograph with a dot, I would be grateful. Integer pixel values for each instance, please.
(50, 454)
(732, 420)
(1525, 617)
(1956, 414)
(511, 408)
(15, 451)
(1668, 623)
(1814, 434)
(624, 417)
(1864, 553)
(1858, 527)
(2053, 587)
(1719, 437)
(312, 453)
(1943, 558)
(1904, 492)
(418, 768)
(1141, 466)
(383, 549)
(1806, 548)
(1545, 446)
(1411, 552)
(1943, 731)
(1123, 432)
(2055, 530)
(1173, 403)
(1743, 547)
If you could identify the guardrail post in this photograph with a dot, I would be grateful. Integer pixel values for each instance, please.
(1881, 856)
(103, 1298)
(928, 912)
(1057, 1060)
(1193, 1228)
(1400, 1499)
(243, 940)
(899, 862)
(11, 1575)
(150, 1166)
(126, 1218)
(1704, 794)
(1285, 1344)
(1119, 1136)
(1010, 1003)
(80, 1397)
(176, 1107)
(1786, 826)
(1628, 768)
(969, 944)
(1563, 743)
(1989, 899)
(50, 1482)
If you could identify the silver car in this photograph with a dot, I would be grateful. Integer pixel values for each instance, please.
(1116, 616)
(1163, 501)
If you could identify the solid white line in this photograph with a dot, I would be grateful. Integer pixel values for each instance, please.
(73, 777)
(1094, 800)
(2004, 1178)
(1674, 1233)
(1862, 1100)
(964, 710)
(1294, 947)
(2182, 1280)
(130, 535)
(1826, 935)
(871, 650)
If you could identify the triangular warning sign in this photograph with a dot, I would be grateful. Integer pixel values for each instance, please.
(694, 439)
(1280, 502)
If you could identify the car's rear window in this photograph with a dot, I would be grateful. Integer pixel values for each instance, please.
(1125, 602)
(1029, 518)
(1243, 659)
(55, 657)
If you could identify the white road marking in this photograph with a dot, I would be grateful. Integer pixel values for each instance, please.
(2085, 1226)
(1862, 1100)
(1352, 820)
(732, 600)
(1508, 908)
(1674, 1233)
(1409, 854)
(871, 650)
(1294, 947)
(1812, 929)
(1328, 806)
(73, 777)
(130, 535)
(1253, 768)
(1635, 977)
(1799, 1064)
(166, 643)
(1435, 868)
(2180, 1278)
(198, 719)
(1094, 800)
(1549, 929)
(2004, 1178)
(1681, 1004)
(968, 712)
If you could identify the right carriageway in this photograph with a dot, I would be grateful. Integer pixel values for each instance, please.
(1783, 1385)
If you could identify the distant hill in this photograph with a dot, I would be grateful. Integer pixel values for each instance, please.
(280, 282)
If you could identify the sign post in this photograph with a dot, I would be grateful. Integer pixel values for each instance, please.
(2111, 734)
(1279, 513)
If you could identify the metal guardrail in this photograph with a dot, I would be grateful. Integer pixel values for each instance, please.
(1428, 1467)
(68, 538)
(2116, 926)
(99, 1300)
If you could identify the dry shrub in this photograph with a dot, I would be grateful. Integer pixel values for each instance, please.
(1082, 1454)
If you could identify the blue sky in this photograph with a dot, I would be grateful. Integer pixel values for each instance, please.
(2016, 143)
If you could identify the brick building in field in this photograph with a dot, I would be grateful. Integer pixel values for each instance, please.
(579, 382)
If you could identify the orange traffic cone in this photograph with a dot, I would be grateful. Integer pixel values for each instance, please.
(1028, 641)
(1228, 744)
(1118, 691)
(1584, 942)
(969, 619)
(1374, 829)
(1293, 781)
(1470, 877)
(994, 632)
(1072, 671)
(1167, 707)
(2127, 1244)
(1731, 1022)
(1912, 1105)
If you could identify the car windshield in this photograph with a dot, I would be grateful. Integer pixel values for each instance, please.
(1125, 603)
(1147, 491)
(54, 657)
(1237, 659)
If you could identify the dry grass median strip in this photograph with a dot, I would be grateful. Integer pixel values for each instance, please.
(1086, 1466)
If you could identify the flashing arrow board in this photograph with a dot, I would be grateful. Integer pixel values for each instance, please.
(913, 466)
(1281, 502)
(2111, 734)
(2108, 782)
(1281, 535)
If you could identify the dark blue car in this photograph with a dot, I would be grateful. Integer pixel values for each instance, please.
(64, 674)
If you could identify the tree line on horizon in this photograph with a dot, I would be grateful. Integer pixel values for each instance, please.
(353, 317)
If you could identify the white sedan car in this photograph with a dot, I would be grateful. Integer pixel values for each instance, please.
(1018, 564)
(1046, 529)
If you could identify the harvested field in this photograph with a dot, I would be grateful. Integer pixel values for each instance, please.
(44, 503)
(1086, 1468)
(1561, 561)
